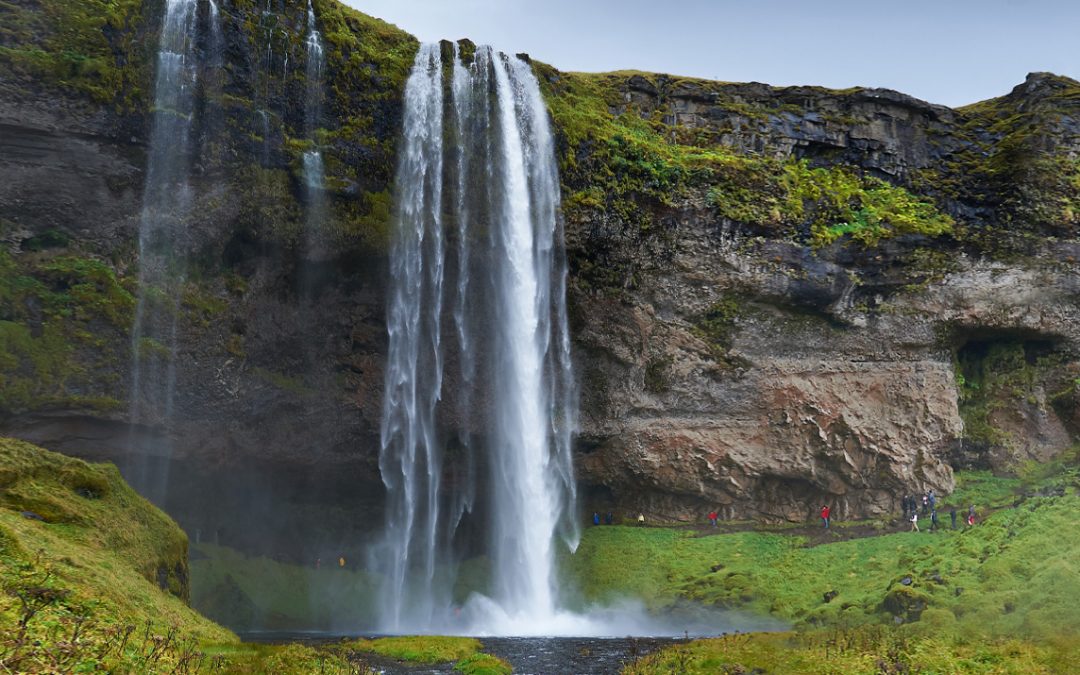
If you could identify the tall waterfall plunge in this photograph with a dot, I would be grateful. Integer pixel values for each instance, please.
(506, 352)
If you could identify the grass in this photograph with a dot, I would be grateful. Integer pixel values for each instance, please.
(463, 652)
(858, 651)
(1003, 596)
(421, 649)
(96, 568)
(1005, 588)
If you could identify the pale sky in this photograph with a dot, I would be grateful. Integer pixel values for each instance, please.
(945, 51)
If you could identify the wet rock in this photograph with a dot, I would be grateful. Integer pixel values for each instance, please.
(830, 595)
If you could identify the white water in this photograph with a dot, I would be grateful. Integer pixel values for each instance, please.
(166, 203)
(512, 374)
(410, 459)
(314, 172)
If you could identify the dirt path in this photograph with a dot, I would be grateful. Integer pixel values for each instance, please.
(817, 535)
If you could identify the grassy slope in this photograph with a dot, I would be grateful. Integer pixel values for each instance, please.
(94, 564)
(1001, 597)
(85, 581)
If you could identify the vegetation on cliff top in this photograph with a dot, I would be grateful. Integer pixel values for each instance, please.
(92, 47)
(619, 160)
(1009, 162)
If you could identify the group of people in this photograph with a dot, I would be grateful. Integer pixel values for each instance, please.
(609, 518)
(928, 501)
(910, 504)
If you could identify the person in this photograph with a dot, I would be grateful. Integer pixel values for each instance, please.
(952, 516)
(596, 518)
(915, 522)
(641, 519)
(925, 504)
(971, 515)
(825, 516)
(933, 500)
(933, 520)
(713, 517)
(609, 518)
(907, 506)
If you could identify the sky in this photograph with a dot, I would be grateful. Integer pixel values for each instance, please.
(952, 52)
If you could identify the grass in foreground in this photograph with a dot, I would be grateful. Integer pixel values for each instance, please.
(94, 577)
(1002, 597)
(868, 650)
(463, 652)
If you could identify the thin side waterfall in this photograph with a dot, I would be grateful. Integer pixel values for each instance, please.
(166, 204)
(514, 399)
(410, 459)
(314, 173)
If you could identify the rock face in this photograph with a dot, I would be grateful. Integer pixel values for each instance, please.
(780, 297)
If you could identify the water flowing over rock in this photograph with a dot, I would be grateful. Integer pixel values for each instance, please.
(512, 356)
(411, 458)
(166, 203)
(314, 173)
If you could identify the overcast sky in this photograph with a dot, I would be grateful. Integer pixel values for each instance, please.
(945, 51)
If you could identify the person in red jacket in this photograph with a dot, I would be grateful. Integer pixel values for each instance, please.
(825, 516)
(713, 515)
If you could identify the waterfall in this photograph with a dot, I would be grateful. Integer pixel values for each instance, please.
(166, 203)
(532, 477)
(313, 160)
(410, 459)
(512, 377)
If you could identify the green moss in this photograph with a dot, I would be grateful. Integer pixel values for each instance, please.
(483, 664)
(627, 165)
(1004, 164)
(63, 330)
(1000, 376)
(433, 649)
(717, 325)
(421, 649)
(91, 47)
(837, 202)
(103, 563)
(268, 212)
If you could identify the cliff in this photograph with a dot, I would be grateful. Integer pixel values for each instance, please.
(793, 296)
(779, 297)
